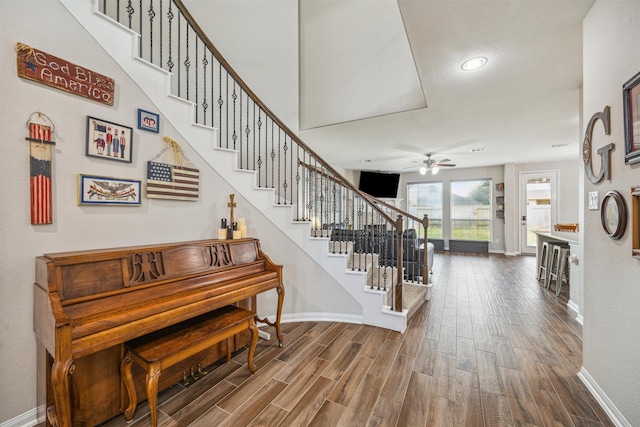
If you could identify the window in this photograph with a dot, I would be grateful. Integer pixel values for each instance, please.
(471, 210)
(426, 198)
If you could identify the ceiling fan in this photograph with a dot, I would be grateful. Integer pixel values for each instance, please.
(432, 165)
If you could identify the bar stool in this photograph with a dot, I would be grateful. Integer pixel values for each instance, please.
(557, 267)
(544, 261)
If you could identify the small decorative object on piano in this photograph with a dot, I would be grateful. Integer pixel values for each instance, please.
(571, 228)
(242, 226)
(222, 233)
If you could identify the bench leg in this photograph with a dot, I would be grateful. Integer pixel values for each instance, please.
(152, 393)
(127, 379)
(252, 346)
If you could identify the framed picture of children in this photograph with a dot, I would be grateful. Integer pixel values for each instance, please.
(108, 140)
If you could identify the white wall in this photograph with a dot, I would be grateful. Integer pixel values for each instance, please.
(611, 348)
(45, 25)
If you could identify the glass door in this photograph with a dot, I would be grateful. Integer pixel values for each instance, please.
(537, 207)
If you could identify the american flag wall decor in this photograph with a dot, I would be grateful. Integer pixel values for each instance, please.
(165, 181)
(40, 173)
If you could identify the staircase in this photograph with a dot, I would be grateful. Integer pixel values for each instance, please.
(290, 209)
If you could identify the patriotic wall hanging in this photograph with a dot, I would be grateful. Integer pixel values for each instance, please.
(40, 156)
(49, 70)
(173, 178)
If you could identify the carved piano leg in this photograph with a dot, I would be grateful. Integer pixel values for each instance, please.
(280, 291)
(127, 379)
(152, 394)
(60, 372)
(252, 346)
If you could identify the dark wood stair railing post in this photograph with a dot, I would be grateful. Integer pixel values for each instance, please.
(397, 302)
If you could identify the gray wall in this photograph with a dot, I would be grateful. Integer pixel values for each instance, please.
(611, 350)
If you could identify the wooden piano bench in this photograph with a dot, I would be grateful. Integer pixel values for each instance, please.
(166, 347)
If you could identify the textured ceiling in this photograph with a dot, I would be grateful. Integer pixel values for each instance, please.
(380, 80)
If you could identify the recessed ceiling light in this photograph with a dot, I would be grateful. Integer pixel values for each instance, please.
(478, 150)
(365, 161)
(473, 63)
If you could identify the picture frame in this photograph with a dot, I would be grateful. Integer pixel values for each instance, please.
(613, 214)
(148, 121)
(631, 104)
(108, 140)
(635, 221)
(102, 190)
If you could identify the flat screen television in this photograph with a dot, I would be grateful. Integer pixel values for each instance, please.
(378, 184)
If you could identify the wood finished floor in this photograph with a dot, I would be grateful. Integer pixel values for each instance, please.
(491, 348)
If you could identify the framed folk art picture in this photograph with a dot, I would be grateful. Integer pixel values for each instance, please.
(148, 121)
(108, 140)
(102, 190)
(631, 99)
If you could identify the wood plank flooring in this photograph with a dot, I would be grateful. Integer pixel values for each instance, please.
(491, 348)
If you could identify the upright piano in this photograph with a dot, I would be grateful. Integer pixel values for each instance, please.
(87, 304)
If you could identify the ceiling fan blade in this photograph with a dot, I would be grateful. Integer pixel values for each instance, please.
(444, 160)
(446, 164)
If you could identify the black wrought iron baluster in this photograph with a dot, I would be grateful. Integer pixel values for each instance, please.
(197, 107)
(213, 95)
(279, 164)
(226, 106)
(240, 127)
(291, 166)
(334, 190)
(247, 132)
(220, 103)
(205, 104)
(130, 12)
(187, 64)
(273, 159)
(257, 147)
(161, 39)
(234, 97)
(179, 53)
(140, 27)
(170, 16)
(152, 14)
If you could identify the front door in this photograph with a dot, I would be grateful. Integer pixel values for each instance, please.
(537, 207)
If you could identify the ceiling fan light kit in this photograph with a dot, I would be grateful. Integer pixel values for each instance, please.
(433, 165)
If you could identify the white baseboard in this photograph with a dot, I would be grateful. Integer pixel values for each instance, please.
(317, 317)
(28, 419)
(511, 253)
(576, 308)
(616, 417)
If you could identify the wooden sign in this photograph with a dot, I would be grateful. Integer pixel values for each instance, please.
(41, 67)
(40, 165)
